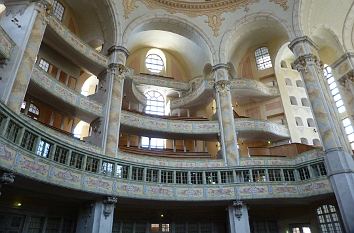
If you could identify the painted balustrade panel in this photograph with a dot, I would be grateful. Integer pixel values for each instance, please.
(77, 44)
(142, 79)
(66, 94)
(25, 163)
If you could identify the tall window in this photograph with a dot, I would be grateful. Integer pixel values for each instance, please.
(328, 218)
(58, 10)
(263, 60)
(155, 103)
(347, 124)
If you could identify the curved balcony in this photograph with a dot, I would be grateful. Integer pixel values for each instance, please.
(155, 80)
(70, 46)
(6, 46)
(246, 128)
(91, 172)
(71, 101)
(240, 88)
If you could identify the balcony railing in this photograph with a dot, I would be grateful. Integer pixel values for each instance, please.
(30, 152)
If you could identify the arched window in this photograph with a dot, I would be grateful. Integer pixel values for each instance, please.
(263, 60)
(304, 141)
(58, 10)
(305, 102)
(288, 82)
(155, 103)
(310, 122)
(293, 100)
(299, 121)
(154, 61)
(328, 219)
(299, 83)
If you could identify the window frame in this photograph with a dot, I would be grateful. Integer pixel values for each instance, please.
(263, 59)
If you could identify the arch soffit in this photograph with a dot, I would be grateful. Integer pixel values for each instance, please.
(189, 30)
(227, 45)
(348, 30)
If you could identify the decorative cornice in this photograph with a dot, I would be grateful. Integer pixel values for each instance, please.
(303, 39)
(118, 48)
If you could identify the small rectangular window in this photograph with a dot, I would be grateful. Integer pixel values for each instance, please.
(166, 177)
(58, 10)
(44, 148)
(152, 175)
(289, 175)
(61, 155)
(44, 65)
(243, 176)
(107, 168)
(28, 140)
(274, 174)
(258, 175)
(76, 160)
(226, 177)
(196, 177)
(12, 131)
(91, 164)
(122, 171)
(319, 169)
(137, 173)
(211, 177)
(304, 173)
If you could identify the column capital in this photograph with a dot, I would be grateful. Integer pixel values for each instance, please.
(119, 70)
(238, 205)
(221, 71)
(118, 54)
(108, 206)
(6, 178)
(303, 62)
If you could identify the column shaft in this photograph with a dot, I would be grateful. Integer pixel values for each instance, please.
(24, 71)
(226, 119)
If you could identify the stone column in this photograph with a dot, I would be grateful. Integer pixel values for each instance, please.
(24, 72)
(97, 217)
(228, 136)
(238, 218)
(339, 162)
(105, 132)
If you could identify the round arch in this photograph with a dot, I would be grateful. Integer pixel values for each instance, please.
(230, 39)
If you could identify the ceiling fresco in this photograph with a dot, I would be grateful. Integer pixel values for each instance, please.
(212, 9)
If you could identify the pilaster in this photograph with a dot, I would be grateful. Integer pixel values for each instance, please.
(238, 218)
(339, 162)
(228, 136)
(97, 217)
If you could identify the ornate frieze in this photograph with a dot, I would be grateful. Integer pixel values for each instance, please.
(213, 9)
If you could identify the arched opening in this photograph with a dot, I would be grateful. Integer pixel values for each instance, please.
(304, 141)
(81, 130)
(299, 121)
(299, 83)
(305, 102)
(155, 103)
(288, 82)
(310, 122)
(293, 100)
(90, 86)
